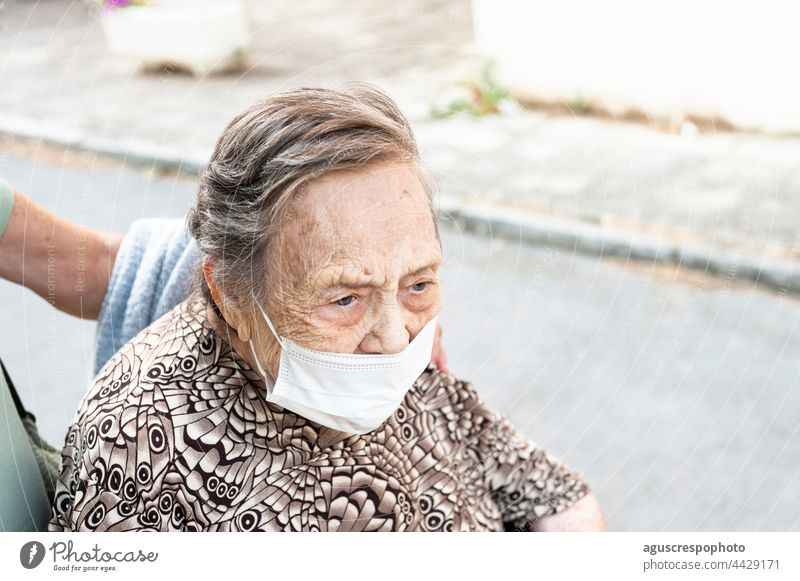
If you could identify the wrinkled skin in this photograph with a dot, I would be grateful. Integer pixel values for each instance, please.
(341, 272)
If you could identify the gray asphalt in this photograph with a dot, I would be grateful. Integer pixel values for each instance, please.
(674, 393)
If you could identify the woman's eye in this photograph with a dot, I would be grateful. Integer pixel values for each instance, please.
(343, 302)
(417, 288)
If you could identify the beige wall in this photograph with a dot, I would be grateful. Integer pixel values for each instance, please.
(734, 58)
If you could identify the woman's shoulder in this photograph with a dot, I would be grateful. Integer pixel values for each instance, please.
(446, 394)
(163, 357)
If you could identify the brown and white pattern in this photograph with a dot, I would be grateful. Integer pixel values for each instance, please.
(175, 434)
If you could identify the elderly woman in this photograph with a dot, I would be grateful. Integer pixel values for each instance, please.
(294, 390)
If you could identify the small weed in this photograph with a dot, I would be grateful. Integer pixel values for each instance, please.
(477, 98)
(580, 104)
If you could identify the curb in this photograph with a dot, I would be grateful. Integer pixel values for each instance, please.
(479, 218)
(591, 239)
(136, 152)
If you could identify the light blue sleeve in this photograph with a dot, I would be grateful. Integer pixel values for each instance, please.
(153, 272)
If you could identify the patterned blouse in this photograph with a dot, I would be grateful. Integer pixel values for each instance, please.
(175, 434)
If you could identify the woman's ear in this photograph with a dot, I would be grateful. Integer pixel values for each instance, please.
(232, 314)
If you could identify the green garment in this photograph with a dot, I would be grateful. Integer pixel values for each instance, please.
(26, 466)
(6, 204)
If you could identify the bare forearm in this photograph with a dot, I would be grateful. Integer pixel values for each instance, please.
(584, 515)
(67, 265)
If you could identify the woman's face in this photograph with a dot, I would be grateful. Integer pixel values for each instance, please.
(357, 265)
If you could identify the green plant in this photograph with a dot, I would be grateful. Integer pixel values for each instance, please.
(476, 97)
(580, 104)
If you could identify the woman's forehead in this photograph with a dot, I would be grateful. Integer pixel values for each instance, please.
(375, 206)
(375, 221)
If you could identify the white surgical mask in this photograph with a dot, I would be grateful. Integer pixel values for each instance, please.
(351, 392)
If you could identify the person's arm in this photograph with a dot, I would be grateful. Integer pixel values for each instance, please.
(534, 490)
(67, 265)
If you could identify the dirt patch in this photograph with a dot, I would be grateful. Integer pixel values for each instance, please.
(580, 107)
(704, 281)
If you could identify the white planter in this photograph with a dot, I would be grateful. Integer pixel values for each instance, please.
(201, 35)
(731, 58)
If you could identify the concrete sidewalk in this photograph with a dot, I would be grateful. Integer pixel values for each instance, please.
(726, 202)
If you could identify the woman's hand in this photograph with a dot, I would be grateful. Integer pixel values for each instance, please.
(439, 359)
(584, 515)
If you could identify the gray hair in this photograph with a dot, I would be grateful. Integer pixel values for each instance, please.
(267, 154)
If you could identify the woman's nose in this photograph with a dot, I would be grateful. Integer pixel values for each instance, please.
(387, 337)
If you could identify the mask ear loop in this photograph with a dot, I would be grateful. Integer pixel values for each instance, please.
(271, 328)
(270, 384)
(261, 370)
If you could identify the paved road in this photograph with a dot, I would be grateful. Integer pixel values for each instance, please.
(676, 395)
